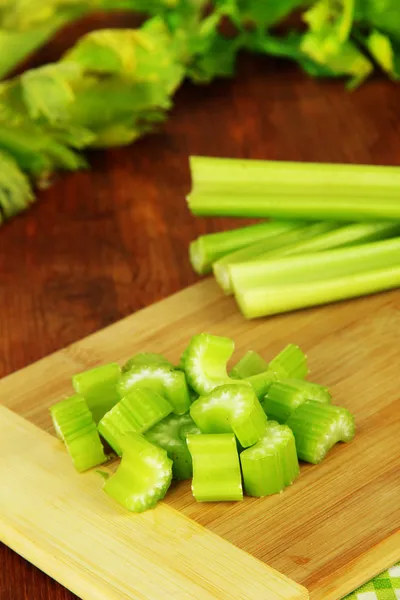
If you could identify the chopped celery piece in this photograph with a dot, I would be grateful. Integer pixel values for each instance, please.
(207, 249)
(98, 387)
(290, 363)
(160, 378)
(231, 408)
(75, 426)
(137, 412)
(277, 246)
(205, 361)
(272, 463)
(170, 434)
(216, 468)
(318, 427)
(146, 358)
(143, 477)
(319, 278)
(254, 188)
(250, 364)
(284, 397)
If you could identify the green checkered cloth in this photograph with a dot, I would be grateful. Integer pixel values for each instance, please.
(384, 587)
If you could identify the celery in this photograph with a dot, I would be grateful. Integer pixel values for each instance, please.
(290, 363)
(298, 282)
(143, 477)
(15, 190)
(205, 361)
(337, 237)
(74, 425)
(216, 468)
(160, 378)
(251, 188)
(98, 387)
(272, 463)
(137, 412)
(170, 434)
(318, 427)
(275, 246)
(284, 397)
(230, 408)
(207, 249)
(146, 358)
(250, 364)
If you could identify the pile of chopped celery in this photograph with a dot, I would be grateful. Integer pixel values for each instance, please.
(235, 432)
(342, 239)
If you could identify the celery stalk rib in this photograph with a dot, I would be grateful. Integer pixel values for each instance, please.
(207, 249)
(346, 206)
(317, 267)
(273, 246)
(265, 301)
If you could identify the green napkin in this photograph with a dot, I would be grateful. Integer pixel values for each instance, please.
(384, 587)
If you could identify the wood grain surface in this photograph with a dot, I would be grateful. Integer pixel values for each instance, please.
(104, 243)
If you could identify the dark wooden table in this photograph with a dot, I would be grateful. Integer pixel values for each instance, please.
(101, 244)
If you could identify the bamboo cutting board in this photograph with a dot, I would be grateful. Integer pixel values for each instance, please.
(335, 528)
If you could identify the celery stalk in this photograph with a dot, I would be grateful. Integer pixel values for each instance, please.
(99, 388)
(216, 468)
(207, 249)
(337, 237)
(299, 282)
(284, 397)
(272, 463)
(318, 427)
(258, 272)
(294, 190)
(146, 358)
(250, 364)
(275, 246)
(205, 361)
(140, 410)
(230, 408)
(170, 434)
(290, 363)
(162, 379)
(74, 425)
(143, 477)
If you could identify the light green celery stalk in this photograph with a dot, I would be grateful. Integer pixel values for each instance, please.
(254, 188)
(98, 387)
(318, 427)
(137, 412)
(239, 274)
(275, 246)
(250, 364)
(290, 363)
(143, 477)
(216, 468)
(207, 249)
(74, 425)
(205, 362)
(272, 463)
(302, 281)
(232, 408)
(284, 397)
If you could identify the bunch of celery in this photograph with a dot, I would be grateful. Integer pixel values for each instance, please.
(246, 429)
(345, 243)
(116, 85)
